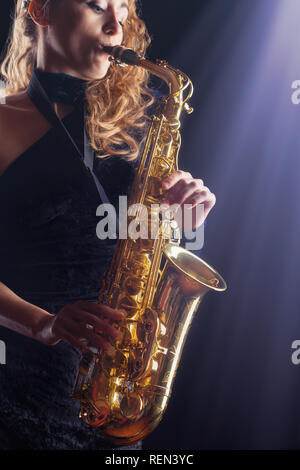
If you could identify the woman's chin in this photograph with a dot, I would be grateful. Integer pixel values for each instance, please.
(96, 71)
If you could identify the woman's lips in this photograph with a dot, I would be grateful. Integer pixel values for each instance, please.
(100, 47)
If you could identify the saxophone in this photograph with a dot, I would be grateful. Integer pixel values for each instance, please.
(158, 284)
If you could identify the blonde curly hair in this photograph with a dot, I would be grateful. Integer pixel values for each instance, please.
(115, 105)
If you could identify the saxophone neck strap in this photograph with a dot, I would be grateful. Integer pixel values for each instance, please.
(40, 99)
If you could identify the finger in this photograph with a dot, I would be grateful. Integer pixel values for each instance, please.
(201, 197)
(86, 318)
(101, 310)
(180, 191)
(75, 342)
(97, 341)
(79, 332)
(94, 340)
(172, 179)
(189, 221)
(199, 216)
(183, 189)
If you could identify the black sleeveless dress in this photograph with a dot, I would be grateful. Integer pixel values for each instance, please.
(50, 255)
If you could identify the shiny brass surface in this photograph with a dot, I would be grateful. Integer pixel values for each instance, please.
(124, 392)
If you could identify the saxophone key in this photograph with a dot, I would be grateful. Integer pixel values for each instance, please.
(114, 364)
(133, 285)
(129, 305)
(86, 363)
(124, 340)
(131, 405)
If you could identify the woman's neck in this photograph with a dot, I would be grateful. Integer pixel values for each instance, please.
(62, 88)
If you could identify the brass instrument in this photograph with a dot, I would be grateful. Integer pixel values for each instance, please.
(124, 393)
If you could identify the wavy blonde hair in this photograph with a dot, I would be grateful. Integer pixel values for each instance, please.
(115, 105)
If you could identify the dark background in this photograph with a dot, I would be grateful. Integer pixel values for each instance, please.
(236, 387)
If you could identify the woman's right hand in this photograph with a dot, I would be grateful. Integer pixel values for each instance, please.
(81, 321)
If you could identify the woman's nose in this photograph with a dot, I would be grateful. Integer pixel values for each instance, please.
(112, 25)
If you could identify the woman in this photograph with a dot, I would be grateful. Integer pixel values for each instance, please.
(51, 259)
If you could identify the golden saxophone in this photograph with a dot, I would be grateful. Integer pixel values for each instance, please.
(124, 394)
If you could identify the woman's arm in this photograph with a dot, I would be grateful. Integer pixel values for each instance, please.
(74, 323)
(19, 315)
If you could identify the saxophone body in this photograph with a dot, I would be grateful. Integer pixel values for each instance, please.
(159, 285)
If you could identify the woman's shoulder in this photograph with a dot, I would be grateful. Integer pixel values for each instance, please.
(20, 125)
(14, 105)
(14, 113)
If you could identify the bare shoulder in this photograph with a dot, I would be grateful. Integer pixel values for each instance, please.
(14, 105)
(13, 110)
(20, 125)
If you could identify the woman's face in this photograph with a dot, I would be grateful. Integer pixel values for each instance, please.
(77, 31)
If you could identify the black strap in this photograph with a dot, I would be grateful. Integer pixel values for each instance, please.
(40, 99)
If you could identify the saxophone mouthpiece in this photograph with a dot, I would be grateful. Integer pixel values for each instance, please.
(123, 55)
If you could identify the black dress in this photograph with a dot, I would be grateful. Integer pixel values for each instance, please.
(50, 256)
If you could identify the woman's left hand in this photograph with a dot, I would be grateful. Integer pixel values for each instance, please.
(181, 188)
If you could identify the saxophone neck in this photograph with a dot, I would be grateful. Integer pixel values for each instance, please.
(123, 56)
(172, 77)
(180, 86)
(180, 89)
